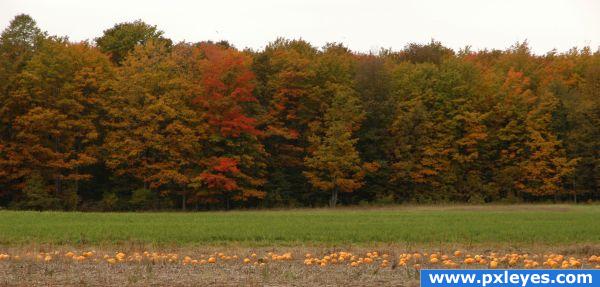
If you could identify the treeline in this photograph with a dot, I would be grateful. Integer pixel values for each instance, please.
(134, 121)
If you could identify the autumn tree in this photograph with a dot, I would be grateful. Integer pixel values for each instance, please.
(573, 77)
(334, 164)
(18, 43)
(532, 160)
(467, 111)
(286, 88)
(223, 86)
(421, 133)
(373, 84)
(547, 166)
(153, 134)
(584, 136)
(55, 114)
(439, 132)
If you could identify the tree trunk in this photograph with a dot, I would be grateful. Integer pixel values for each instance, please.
(334, 198)
(183, 201)
(56, 146)
(77, 179)
(57, 183)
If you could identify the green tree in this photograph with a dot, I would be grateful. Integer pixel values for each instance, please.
(122, 38)
(37, 195)
(581, 131)
(373, 84)
(434, 52)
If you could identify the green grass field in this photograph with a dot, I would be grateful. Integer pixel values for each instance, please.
(520, 224)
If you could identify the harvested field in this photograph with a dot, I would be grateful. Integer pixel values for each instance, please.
(234, 266)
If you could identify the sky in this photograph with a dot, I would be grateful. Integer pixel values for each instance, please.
(363, 26)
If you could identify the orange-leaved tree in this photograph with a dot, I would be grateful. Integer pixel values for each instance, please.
(223, 85)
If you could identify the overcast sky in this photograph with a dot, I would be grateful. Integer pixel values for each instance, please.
(361, 25)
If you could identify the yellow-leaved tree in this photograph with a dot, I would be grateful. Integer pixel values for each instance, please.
(334, 164)
(154, 135)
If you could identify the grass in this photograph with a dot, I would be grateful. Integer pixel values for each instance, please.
(520, 224)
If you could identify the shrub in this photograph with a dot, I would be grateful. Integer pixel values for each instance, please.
(37, 195)
(109, 200)
(142, 198)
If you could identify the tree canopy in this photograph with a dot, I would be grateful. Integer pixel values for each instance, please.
(133, 121)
